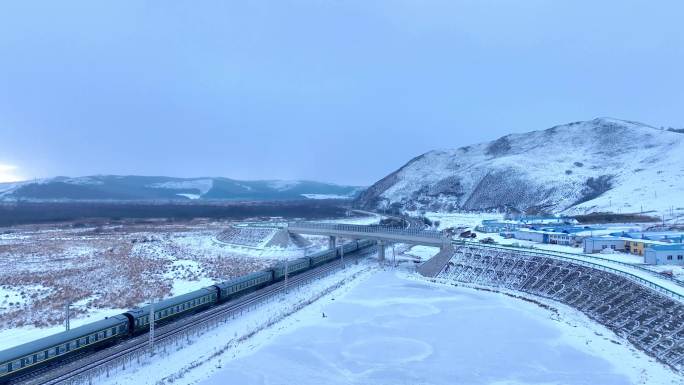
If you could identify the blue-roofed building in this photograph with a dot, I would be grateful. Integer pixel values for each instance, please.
(660, 236)
(672, 254)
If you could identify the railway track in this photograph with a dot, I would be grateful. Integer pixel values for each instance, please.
(68, 371)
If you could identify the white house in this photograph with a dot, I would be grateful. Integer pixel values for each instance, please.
(665, 254)
(598, 244)
(530, 235)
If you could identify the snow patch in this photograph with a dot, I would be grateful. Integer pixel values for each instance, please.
(203, 185)
(283, 185)
(326, 196)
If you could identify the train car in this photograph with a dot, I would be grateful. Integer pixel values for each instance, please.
(139, 318)
(365, 243)
(48, 350)
(350, 247)
(293, 267)
(245, 284)
(322, 257)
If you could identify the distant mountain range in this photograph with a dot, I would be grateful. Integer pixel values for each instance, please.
(130, 188)
(602, 165)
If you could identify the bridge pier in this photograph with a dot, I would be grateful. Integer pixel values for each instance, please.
(381, 251)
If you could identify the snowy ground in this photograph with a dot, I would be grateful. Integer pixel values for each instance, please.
(391, 328)
(469, 220)
(106, 270)
(195, 361)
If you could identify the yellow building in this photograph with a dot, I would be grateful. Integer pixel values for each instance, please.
(637, 246)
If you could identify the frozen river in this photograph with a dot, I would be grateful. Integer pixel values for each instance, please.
(392, 330)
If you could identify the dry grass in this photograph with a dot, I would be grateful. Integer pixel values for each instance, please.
(107, 267)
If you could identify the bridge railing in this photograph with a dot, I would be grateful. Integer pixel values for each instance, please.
(369, 229)
(640, 280)
(634, 266)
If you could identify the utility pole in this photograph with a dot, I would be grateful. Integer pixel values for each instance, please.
(151, 336)
(394, 257)
(286, 273)
(67, 311)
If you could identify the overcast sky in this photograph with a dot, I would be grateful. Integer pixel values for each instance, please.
(340, 91)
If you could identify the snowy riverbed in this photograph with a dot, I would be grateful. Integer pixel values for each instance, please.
(393, 330)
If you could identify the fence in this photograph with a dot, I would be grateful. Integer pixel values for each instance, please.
(654, 286)
(368, 229)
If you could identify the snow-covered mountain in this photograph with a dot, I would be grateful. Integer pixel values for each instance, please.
(602, 165)
(116, 187)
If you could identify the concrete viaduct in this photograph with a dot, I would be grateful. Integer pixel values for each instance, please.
(382, 234)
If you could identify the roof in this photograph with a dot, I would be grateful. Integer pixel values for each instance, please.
(177, 300)
(533, 231)
(627, 239)
(607, 239)
(652, 235)
(243, 278)
(56, 339)
(674, 247)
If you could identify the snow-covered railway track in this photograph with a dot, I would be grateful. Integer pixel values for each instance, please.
(68, 371)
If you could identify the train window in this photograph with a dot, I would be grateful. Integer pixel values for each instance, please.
(45, 354)
(68, 346)
(113, 331)
(5, 368)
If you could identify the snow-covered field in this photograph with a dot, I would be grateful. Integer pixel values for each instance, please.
(378, 326)
(393, 328)
(106, 270)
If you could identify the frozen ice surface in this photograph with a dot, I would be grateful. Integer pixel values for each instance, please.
(392, 330)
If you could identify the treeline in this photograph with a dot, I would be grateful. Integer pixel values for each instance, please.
(614, 218)
(47, 212)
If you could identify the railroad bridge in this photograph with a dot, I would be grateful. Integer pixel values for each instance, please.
(382, 234)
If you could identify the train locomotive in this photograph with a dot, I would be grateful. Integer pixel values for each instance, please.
(49, 351)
